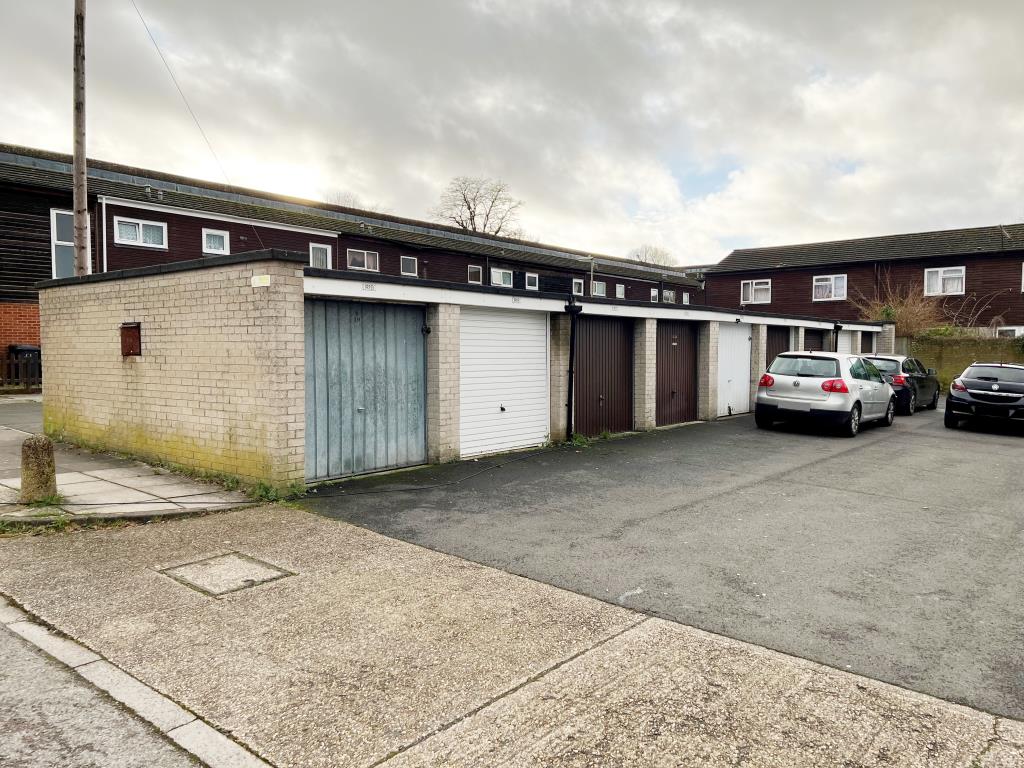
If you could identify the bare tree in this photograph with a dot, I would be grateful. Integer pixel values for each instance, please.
(479, 205)
(906, 306)
(652, 254)
(349, 200)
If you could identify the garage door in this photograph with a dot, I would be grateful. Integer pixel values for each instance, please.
(733, 368)
(814, 340)
(867, 343)
(365, 388)
(604, 376)
(677, 372)
(778, 341)
(844, 342)
(503, 380)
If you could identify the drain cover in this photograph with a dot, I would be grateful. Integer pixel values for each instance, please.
(222, 574)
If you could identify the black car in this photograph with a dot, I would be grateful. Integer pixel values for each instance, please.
(915, 386)
(986, 391)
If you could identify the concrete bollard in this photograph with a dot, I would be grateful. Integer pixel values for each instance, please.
(38, 470)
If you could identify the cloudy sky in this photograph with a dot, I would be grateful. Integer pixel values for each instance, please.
(700, 127)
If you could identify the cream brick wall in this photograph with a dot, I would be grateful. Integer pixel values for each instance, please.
(707, 370)
(558, 367)
(645, 373)
(758, 358)
(798, 340)
(443, 442)
(885, 342)
(219, 385)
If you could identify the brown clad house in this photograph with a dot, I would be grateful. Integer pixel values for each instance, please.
(976, 276)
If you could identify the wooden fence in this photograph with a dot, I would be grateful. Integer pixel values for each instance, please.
(23, 374)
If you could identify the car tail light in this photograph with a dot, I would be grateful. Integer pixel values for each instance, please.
(835, 385)
(766, 381)
(899, 379)
(959, 385)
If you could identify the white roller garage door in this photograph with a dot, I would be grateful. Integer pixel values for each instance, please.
(503, 381)
(733, 368)
(844, 342)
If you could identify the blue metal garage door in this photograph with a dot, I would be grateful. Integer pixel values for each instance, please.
(365, 388)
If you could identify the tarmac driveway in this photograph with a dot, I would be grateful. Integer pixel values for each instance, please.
(896, 555)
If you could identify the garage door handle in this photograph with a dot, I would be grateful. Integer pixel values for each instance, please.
(360, 409)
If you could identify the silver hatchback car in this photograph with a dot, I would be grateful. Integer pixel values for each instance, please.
(840, 390)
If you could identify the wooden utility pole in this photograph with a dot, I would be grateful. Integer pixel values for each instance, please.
(80, 192)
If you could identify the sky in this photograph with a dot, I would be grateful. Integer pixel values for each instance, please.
(697, 127)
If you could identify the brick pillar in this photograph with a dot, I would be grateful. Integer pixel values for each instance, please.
(885, 342)
(797, 344)
(828, 340)
(645, 373)
(558, 351)
(707, 366)
(856, 341)
(758, 358)
(443, 383)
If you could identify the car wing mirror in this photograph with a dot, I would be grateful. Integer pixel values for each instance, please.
(932, 372)
(887, 379)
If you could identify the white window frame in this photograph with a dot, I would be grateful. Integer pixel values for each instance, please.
(366, 260)
(666, 293)
(654, 295)
(830, 280)
(469, 274)
(1022, 277)
(330, 254)
(685, 295)
(601, 292)
(620, 291)
(1018, 331)
(754, 285)
(118, 220)
(227, 241)
(577, 286)
(54, 242)
(532, 277)
(415, 266)
(941, 272)
(498, 277)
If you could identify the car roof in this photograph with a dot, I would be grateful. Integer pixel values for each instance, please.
(814, 353)
(873, 356)
(997, 365)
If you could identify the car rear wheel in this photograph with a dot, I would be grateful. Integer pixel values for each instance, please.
(852, 426)
(890, 413)
(951, 420)
(911, 405)
(763, 420)
(935, 401)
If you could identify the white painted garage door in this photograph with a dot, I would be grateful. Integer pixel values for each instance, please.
(503, 381)
(845, 341)
(733, 368)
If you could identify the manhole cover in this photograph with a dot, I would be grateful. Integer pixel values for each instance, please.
(222, 574)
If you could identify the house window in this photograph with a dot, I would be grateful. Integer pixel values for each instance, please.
(598, 288)
(62, 244)
(685, 297)
(366, 260)
(475, 275)
(145, 234)
(654, 295)
(1010, 331)
(216, 241)
(756, 292)
(620, 291)
(944, 281)
(668, 296)
(577, 286)
(320, 255)
(532, 281)
(502, 277)
(828, 288)
(409, 266)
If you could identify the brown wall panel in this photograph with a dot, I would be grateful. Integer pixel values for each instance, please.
(677, 372)
(814, 340)
(778, 341)
(604, 376)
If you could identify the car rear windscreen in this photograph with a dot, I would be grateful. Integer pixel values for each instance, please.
(792, 365)
(993, 373)
(886, 366)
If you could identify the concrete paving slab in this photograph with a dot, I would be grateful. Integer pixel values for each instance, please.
(125, 509)
(210, 500)
(666, 695)
(103, 490)
(222, 574)
(121, 473)
(140, 698)
(213, 748)
(10, 613)
(372, 644)
(61, 648)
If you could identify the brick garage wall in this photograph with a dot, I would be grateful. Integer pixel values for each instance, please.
(19, 324)
(220, 383)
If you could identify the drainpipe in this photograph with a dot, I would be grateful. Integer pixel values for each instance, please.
(573, 310)
(836, 328)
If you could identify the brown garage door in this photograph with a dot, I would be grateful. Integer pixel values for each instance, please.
(677, 372)
(814, 340)
(604, 376)
(778, 341)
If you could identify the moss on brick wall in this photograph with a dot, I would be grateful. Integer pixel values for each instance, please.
(950, 356)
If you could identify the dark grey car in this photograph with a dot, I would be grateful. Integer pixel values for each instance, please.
(915, 386)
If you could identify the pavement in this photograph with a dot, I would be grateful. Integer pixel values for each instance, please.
(895, 555)
(96, 485)
(311, 642)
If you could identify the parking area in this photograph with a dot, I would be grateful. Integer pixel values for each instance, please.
(895, 555)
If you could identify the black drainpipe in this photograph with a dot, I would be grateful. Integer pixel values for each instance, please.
(573, 310)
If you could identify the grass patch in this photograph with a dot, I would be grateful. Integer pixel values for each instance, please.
(580, 441)
(263, 491)
(53, 500)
